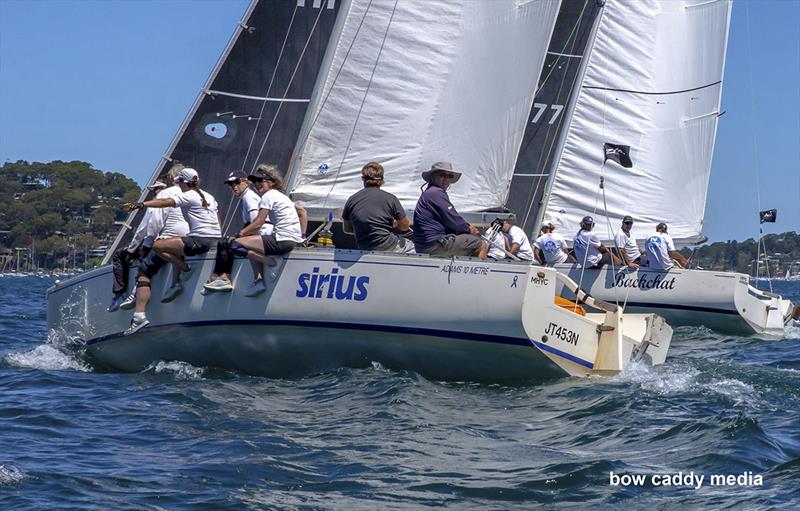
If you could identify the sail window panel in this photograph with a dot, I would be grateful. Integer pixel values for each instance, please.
(412, 83)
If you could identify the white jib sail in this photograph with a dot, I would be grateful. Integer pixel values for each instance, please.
(416, 82)
(653, 82)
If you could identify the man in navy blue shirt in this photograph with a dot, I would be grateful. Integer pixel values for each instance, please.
(438, 228)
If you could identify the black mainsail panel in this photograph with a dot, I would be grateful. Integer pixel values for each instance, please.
(253, 105)
(548, 115)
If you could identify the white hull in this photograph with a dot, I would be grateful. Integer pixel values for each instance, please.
(463, 319)
(723, 301)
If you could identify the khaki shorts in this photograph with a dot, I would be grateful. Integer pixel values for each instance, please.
(456, 245)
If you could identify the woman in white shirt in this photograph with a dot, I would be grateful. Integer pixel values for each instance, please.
(200, 210)
(275, 231)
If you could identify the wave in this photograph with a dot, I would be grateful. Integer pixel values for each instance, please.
(10, 475)
(180, 370)
(47, 358)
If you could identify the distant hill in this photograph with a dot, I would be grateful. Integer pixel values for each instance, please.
(60, 210)
(781, 249)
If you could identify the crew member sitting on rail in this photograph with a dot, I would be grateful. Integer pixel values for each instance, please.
(159, 223)
(551, 246)
(372, 214)
(627, 248)
(249, 200)
(661, 251)
(589, 252)
(438, 228)
(286, 231)
(517, 241)
(200, 210)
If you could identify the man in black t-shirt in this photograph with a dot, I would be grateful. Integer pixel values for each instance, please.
(372, 215)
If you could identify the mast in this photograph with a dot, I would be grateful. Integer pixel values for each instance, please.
(550, 112)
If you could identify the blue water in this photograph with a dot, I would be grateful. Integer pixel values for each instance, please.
(180, 437)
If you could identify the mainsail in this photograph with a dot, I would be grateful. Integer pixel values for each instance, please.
(252, 107)
(546, 121)
(411, 83)
(653, 82)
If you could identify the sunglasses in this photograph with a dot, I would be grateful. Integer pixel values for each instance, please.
(627, 223)
(233, 183)
(256, 180)
(448, 175)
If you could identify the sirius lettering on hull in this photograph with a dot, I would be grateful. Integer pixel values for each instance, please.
(644, 281)
(331, 286)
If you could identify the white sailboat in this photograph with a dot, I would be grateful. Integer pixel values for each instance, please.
(409, 83)
(652, 80)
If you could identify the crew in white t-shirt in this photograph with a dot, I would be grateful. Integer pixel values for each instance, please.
(552, 246)
(661, 250)
(517, 241)
(589, 252)
(497, 245)
(281, 212)
(199, 208)
(248, 198)
(626, 244)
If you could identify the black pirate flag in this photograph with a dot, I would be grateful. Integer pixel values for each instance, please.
(769, 215)
(618, 153)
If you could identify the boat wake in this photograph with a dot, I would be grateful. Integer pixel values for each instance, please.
(683, 378)
(180, 370)
(47, 358)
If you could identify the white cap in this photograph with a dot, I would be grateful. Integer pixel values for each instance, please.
(157, 185)
(187, 175)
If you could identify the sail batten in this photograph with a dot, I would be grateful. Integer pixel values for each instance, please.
(252, 106)
(653, 82)
(411, 83)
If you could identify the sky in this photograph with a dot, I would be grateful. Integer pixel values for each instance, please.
(109, 82)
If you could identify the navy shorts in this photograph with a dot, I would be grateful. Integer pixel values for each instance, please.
(150, 264)
(275, 247)
(195, 245)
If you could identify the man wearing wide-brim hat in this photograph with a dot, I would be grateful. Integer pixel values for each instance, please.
(438, 228)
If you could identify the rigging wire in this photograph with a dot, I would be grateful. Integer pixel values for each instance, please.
(228, 218)
(755, 154)
(288, 86)
(363, 100)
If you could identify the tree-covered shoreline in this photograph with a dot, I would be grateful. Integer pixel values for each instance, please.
(59, 213)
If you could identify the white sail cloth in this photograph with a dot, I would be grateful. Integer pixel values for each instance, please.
(411, 83)
(653, 82)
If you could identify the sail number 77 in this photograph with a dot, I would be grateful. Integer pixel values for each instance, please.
(542, 107)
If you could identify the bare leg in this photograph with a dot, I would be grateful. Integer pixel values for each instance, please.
(484, 249)
(142, 295)
(171, 250)
(257, 267)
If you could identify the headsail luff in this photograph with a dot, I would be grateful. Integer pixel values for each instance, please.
(653, 81)
(411, 83)
(253, 104)
(559, 79)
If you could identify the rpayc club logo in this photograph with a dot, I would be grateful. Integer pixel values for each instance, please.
(331, 286)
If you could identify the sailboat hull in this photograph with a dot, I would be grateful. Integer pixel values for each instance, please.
(722, 301)
(462, 319)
